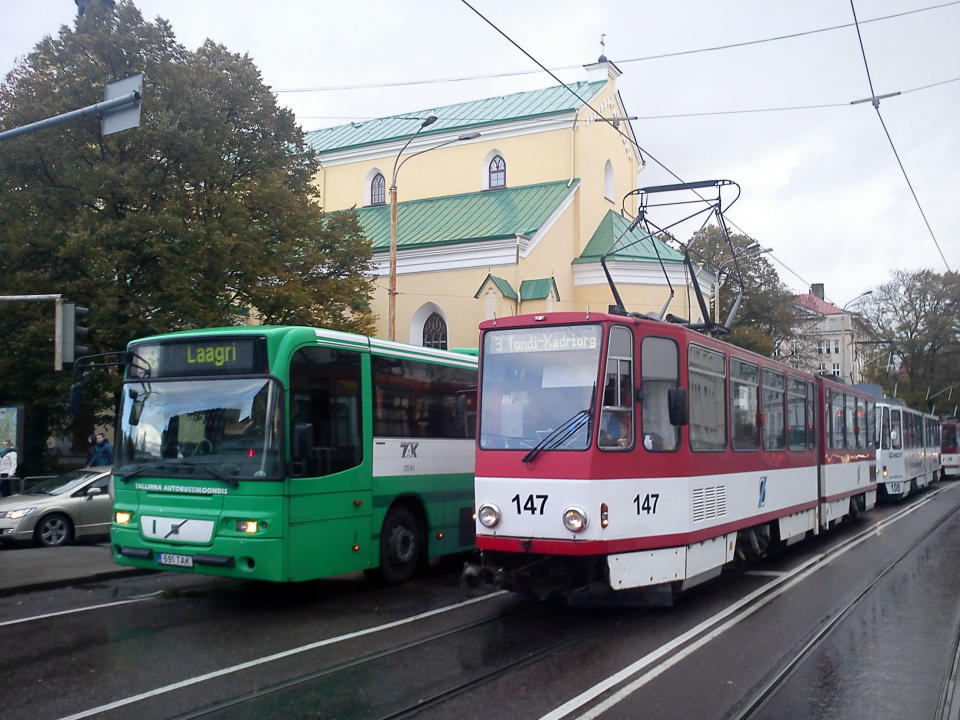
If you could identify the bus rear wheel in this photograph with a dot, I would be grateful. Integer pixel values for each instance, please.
(401, 545)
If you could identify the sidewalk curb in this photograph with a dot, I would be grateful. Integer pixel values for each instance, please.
(70, 582)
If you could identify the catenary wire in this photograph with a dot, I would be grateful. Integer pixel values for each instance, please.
(678, 53)
(876, 106)
(708, 113)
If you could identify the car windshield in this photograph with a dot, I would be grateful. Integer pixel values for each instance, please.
(61, 484)
(226, 428)
(536, 380)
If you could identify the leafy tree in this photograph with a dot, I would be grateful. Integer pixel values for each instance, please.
(205, 215)
(918, 313)
(767, 320)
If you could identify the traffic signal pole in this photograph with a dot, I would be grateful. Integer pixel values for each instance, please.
(66, 330)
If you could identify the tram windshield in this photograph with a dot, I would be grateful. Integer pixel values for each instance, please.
(948, 443)
(224, 428)
(536, 380)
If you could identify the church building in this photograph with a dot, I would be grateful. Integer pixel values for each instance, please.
(505, 206)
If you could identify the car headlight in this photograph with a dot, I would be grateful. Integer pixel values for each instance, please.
(489, 515)
(17, 514)
(575, 519)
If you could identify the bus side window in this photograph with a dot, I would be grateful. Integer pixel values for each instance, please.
(660, 370)
(325, 398)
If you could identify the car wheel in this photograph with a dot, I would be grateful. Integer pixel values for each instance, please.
(401, 545)
(53, 530)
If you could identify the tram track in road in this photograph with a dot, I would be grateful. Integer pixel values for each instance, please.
(761, 699)
(416, 704)
(616, 688)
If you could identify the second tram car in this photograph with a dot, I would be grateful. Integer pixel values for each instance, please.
(949, 452)
(619, 453)
(908, 449)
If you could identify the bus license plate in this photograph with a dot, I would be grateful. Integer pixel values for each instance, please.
(178, 560)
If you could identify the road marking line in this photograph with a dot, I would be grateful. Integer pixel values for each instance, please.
(276, 656)
(78, 610)
(788, 580)
(766, 573)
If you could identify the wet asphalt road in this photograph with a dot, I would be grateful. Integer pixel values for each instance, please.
(189, 646)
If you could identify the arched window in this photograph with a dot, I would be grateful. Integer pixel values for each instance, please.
(497, 173)
(608, 180)
(378, 190)
(435, 332)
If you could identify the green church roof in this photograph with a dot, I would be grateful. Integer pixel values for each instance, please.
(635, 246)
(460, 116)
(504, 286)
(538, 289)
(471, 217)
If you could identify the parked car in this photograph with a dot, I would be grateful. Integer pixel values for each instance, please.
(59, 509)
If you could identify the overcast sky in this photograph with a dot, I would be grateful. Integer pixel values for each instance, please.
(821, 186)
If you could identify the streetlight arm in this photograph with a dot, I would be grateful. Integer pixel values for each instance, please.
(459, 138)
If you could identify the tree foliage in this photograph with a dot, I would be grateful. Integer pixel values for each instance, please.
(918, 314)
(203, 216)
(767, 320)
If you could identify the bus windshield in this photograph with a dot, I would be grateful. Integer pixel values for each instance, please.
(536, 379)
(227, 428)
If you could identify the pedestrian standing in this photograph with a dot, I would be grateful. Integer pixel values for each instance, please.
(8, 463)
(92, 452)
(104, 451)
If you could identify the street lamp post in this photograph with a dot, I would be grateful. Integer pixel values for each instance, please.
(853, 339)
(397, 164)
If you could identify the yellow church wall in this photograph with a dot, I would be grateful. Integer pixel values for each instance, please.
(453, 170)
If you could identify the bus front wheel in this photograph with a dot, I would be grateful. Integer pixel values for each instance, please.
(401, 545)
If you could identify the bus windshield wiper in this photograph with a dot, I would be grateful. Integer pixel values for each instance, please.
(232, 482)
(560, 434)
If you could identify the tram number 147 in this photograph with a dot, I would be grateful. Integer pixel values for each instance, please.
(534, 504)
(648, 505)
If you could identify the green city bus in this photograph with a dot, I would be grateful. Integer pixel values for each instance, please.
(292, 453)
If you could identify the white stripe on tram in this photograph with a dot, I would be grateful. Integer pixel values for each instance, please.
(775, 588)
(275, 656)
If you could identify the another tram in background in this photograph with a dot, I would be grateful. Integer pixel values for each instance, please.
(620, 452)
(908, 449)
(291, 453)
(949, 451)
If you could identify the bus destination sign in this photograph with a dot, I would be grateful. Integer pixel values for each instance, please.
(202, 356)
(535, 340)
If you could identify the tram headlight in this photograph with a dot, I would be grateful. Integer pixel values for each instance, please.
(575, 519)
(489, 515)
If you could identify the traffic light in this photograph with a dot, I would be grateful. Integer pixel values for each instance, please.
(70, 333)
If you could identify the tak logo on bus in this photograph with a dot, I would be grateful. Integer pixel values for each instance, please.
(409, 449)
(763, 492)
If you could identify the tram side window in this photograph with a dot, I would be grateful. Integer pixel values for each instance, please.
(796, 421)
(884, 433)
(659, 364)
(616, 418)
(708, 417)
(811, 415)
(896, 432)
(848, 420)
(744, 385)
(772, 409)
(838, 428)
(870, 438)
(326, 414)
(423, 400)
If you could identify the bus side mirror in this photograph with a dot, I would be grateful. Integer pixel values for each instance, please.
(677, 404)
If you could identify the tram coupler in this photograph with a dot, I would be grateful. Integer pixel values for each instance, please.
(480, 579)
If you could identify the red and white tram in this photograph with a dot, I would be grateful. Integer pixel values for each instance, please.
(621, 452)
(949, 452)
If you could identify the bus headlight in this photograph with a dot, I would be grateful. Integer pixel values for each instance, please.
(248, 526)
(122, 517)
(489, 515)
(575, 519)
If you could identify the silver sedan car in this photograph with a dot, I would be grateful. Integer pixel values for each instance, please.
(55, 511)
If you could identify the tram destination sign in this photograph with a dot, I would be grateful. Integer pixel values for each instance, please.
(547, 339)
(199, 356)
